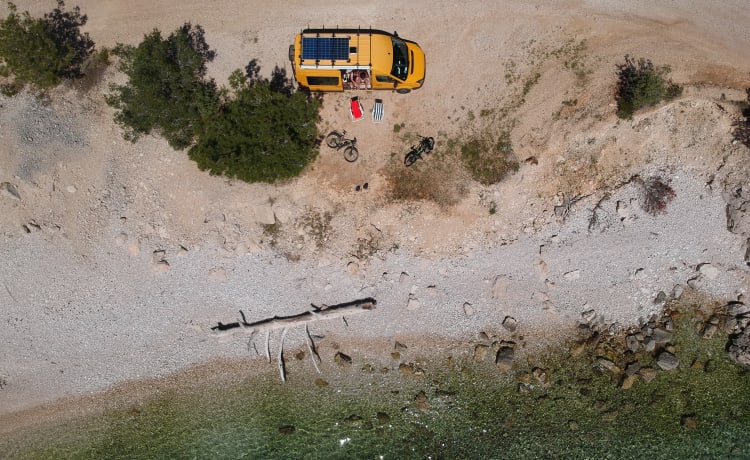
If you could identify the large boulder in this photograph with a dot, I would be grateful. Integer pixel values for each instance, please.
(738, 326)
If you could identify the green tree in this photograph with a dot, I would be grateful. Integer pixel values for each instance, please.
(167, 90)
(42, 51)
(263, 132)
(641, 84)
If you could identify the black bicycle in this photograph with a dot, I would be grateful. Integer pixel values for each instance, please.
(337, 140)
(426, 144)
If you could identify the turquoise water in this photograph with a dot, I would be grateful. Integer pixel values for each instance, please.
(475, 411)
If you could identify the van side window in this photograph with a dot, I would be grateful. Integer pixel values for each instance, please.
(323, 81)
(384, 79)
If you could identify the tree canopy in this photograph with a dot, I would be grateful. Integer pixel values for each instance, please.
(167, 90)
(263, 132)
(42, 51)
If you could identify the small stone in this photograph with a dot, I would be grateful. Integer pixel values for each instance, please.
(541, 376)
(661, 336)
(667, 361)
(320, 383)
(286, 429)
(647, 374)
(423, 403)
(342, 359)
(352, 268)
(677, 291)
(504, 358)
(413, 303)
(632, 343)
(468, 309)
(158, 255)
(500, 287)
(609, 365)
(71, 189)
(689, 422)
(121, 239)
(709, 331)
(649, 344)
(510, 324)
(629, 381)
(577, 348)
(737, 309)
(398, 346)
(709, 271)
(9, 190)
(383, 418)
(161, 266)
(632, 368)
(572, 275)
(480, 352)
(588, 316)
(661, 298)
(395, 355)
(406, 369)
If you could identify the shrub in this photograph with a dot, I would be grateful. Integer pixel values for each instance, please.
(655, 195)
(641, 84)
(489, 162)
(42, 51)
(263, 133)
(167, 89)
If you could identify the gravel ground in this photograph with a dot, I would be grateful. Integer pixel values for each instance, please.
(118, 257)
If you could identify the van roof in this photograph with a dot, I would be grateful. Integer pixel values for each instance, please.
(345, 48)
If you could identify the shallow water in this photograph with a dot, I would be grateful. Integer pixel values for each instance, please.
(470, 410)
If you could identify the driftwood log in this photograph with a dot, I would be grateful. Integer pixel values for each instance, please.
(305, 318)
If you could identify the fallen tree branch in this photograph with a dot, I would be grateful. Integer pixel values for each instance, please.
(311, 347)
(284, 322)
(282, 371)
(309, 316)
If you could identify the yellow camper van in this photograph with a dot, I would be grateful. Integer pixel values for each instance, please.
(354, 59)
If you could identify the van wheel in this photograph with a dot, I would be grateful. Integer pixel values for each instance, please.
(403, 91)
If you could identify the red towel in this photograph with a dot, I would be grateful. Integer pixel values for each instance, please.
(356, 109)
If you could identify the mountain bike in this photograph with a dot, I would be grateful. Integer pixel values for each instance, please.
(337, 140)
(426, 144)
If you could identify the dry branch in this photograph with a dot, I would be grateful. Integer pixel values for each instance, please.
(304, 318)
(316, 314)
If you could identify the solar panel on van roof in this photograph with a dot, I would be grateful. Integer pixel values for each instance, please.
(325, 48)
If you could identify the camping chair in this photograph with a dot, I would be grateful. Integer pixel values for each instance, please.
(356, 110)
(377, 111)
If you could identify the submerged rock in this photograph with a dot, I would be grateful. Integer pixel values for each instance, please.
(504, 358)
(510, 324)
(667, 361)
(422, 402)
(342, 359)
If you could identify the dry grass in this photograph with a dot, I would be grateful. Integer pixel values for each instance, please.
(436, 178)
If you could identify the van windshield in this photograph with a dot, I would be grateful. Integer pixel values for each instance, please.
(400, 68)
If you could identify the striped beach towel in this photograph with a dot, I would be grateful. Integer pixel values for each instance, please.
(377, 111)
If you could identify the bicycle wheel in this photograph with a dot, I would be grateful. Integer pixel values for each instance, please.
(333, 140)
(429, 144)
(351, 153)
(411, 158)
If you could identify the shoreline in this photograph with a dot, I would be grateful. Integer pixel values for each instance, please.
(354, 390)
